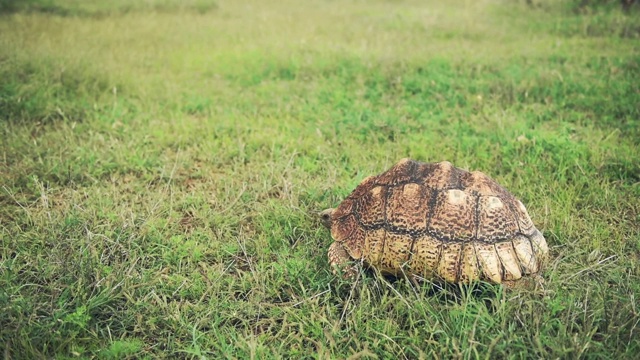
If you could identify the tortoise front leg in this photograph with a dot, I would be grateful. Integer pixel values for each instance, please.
(340, 261)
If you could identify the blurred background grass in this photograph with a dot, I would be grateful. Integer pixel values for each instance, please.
(162, 163)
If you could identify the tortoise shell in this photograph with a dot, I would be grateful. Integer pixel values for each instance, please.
(434, 220)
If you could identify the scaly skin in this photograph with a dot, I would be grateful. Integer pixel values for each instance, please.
(340, 260)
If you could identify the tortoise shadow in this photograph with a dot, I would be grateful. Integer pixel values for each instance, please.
(410, 289)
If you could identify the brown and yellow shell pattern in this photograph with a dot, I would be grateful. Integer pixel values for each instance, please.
(436, 221)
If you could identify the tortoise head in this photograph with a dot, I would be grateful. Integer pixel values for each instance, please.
(325, 217)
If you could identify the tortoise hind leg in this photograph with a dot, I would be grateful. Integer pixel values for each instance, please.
(534, 282)
(340, 260)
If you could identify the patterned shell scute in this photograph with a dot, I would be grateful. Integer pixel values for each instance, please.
(401, 172)
(478, 182)
(496, 220)
(454, 215)
(441, 175)
(435, 220)
(371, 207)
(408, 208)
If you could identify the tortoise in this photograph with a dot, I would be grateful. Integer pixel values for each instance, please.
(436, 222)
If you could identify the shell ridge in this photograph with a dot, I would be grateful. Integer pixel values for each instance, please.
(423, 194)
(412, 167)
(502, 268)
(387, 194)
(360, 222)
(454, 178)
(356, 214)
(534, 257)
(413, 242)
(477, 218)
(477, 260)
(514, 213)
(459, 262)
(436, 264)
(432, 207)
(520, 261)
(414, 236)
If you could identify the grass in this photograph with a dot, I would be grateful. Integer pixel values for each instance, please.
(161, 165)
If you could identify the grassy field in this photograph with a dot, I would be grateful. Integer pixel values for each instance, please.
(162, 164)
